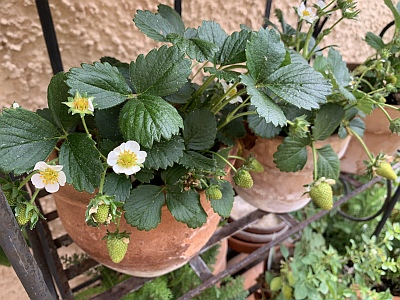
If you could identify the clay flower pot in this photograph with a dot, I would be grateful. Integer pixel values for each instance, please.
(150, 253)
(377, 137)
(281, 192)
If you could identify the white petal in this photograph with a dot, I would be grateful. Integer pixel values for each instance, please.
(41, 166)
(112, 158)
(141, 154)
(52, 188)
(57, 168)
(132, 145)
(117, 169)
(61, 178)
(37, 181)
(132, 170)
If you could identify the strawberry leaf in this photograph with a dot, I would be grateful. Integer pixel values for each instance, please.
(118, 185)
(292, 154)
(300, 85)
(224, 205)
(25, 138)
(161, 72)
(200, 129)
(101, 81)
(143, 207)
(164, 154)
(233, 49)
(185, 206)
(155, 117)
(194, 160)
(327, 120)
(81, 161)
(328, 164)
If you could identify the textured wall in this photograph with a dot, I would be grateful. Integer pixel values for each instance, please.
(88, 30)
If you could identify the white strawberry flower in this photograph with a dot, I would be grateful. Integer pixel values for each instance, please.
(127, 158)
(231, 93)
(49, 177)
(321, 4)
(306, 13)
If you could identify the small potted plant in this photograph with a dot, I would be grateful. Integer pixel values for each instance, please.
(306, 150)
(132, 149)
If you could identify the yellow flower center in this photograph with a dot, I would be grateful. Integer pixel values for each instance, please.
(49, 176)
(306, 13)
(81, 103)
(127, 159)
(232, 92)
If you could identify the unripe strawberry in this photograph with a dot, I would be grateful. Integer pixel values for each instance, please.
(287, 292)
(101, 214)
(385, 170)
(12, 201)
(243, 179)
(254, 165)
(23, 217)
(117, 247)
(275, 284)
(322, 195)
(213, 192)
(391, 79)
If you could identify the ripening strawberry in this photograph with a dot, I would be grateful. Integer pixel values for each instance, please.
(322, 195)
(23, 218)
(385, 170)
(101, 215)
(117, 247)
(275, 284)
(243, 179)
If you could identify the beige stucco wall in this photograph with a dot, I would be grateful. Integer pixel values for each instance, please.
(88, 30)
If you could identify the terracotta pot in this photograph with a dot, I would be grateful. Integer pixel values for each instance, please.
(153, 253)
(377, 137)
(281, 192)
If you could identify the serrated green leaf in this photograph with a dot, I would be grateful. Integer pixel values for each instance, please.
(185, 206)
(300, 85)
(265, 53)
(338, 68)
(212, 32)
(200, 129)
(222, 74)
(25, 139)
(232, 131)
(265, 106)
(143, 207)
(101, 81)
(261, 128)
(198, 220)
(358, 126)
(286, 28)
(147, 119)
(233, 49)
(327, 120)
(172, 16)
(107, 123)
(328, 164)
(57, 92)
(221, 162)
(122, 67)
(164, 154)
(81, 161)
(155, 26)
(144, 175)
(224, 205)
(194, 160)
(395, 12)
(291, 155)
(161, 72)
(118, 185)
(172, 176)
(183, 95)
(374, 41)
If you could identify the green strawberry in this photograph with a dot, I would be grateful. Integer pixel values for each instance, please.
(322, 195)
(213, 192)
(287, 292)
(117, 245)
(102, 213)
(23, 217)
(275, 284)
(385, 170)
(243, 179)
(254, 165)
(12, 201)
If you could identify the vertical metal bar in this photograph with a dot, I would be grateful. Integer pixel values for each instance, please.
(49, 33)
(267, 13)
(17, 251)
(387, 212)
(178, 6)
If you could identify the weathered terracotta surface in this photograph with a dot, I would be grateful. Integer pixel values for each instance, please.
(151, 253)
(377, 137)
(277, 191)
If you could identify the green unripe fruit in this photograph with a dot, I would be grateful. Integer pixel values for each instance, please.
(391, 79)
(290, 278)
(322, 195)
(243, 179)
(287, 292)
(213, 192)
(23, 218)
(276, 284)
(102, 213)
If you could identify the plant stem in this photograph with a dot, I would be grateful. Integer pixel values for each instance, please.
(34, 196)
(314, 154)
(84, 125)
(384, 112)
(25, 181)
(370, 156)
(224, 159)
(102, 180)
